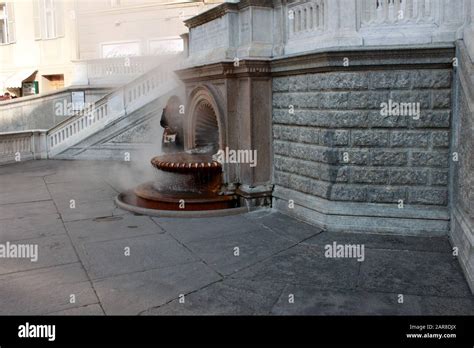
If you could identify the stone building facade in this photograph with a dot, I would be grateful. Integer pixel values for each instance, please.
(368, 104)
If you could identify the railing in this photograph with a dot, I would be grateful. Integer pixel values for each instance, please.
(22, 145)
(383, 12)
(122, 101)
(119, 70)
(306, 17)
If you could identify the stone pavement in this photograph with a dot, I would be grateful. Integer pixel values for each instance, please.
(82, 252)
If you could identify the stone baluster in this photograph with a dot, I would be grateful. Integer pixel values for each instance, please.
(341, 22)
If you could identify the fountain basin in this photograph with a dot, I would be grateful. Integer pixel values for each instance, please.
(185, 183)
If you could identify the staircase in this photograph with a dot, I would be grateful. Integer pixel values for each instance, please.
(116, 122)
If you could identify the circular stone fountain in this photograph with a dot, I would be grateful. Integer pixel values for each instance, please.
(187, 185)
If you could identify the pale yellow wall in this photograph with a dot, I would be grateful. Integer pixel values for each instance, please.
(87, 25)
(133, 20)
(51, 56)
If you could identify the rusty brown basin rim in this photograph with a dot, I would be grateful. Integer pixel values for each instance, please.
(186, 163)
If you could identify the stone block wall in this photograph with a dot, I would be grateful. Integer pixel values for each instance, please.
(330, 139)
(462, 179)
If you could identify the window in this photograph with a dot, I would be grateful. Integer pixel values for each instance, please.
(7, 23)
(48, 18)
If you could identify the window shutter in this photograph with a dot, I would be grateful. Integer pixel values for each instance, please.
(11, 22)
(37, 19)
(59, 17)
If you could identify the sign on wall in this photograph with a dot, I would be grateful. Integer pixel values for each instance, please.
(121, 49)
(165, 46)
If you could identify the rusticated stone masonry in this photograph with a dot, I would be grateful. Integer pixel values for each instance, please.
(332, 141)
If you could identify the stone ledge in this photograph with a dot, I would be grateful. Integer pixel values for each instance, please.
(363, 217)
(222, 9)
(385, 57)
(463, 238)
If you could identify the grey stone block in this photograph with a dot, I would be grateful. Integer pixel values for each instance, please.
(369, 176)
(429, 159)
(439, 177)
(440, 139)
(370, 138)
(385, 194)
(367, 100)
(432, 119)
(358, 157)
(437, 196)
(280, 84)
(441, 99)
(334, 137)
(409, 139)
(389, 158)
(431, 78)
(376, 120)
(412, 96)
(351, 193)
(391, 79)
(298, 83)
(408, 177)
(338, 80)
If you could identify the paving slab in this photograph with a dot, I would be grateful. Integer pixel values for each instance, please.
(112, 227)
(51, 251)
(89, 210)
(45, 290)
(93, 309)
(31, 227)
(21, 210)
(291, 228)
(307, 300)
(227, 297)
(136, 292)
(416, 273)
(200, 229)
(107, 258)
(378, 241)
(431, 305)
(253, 246)
(81, 191)
(305, 264)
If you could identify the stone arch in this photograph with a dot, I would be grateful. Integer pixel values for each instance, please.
(205, 122)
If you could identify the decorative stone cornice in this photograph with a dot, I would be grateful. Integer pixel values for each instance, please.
(254, 68)
(377, 57)
(223, 9)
